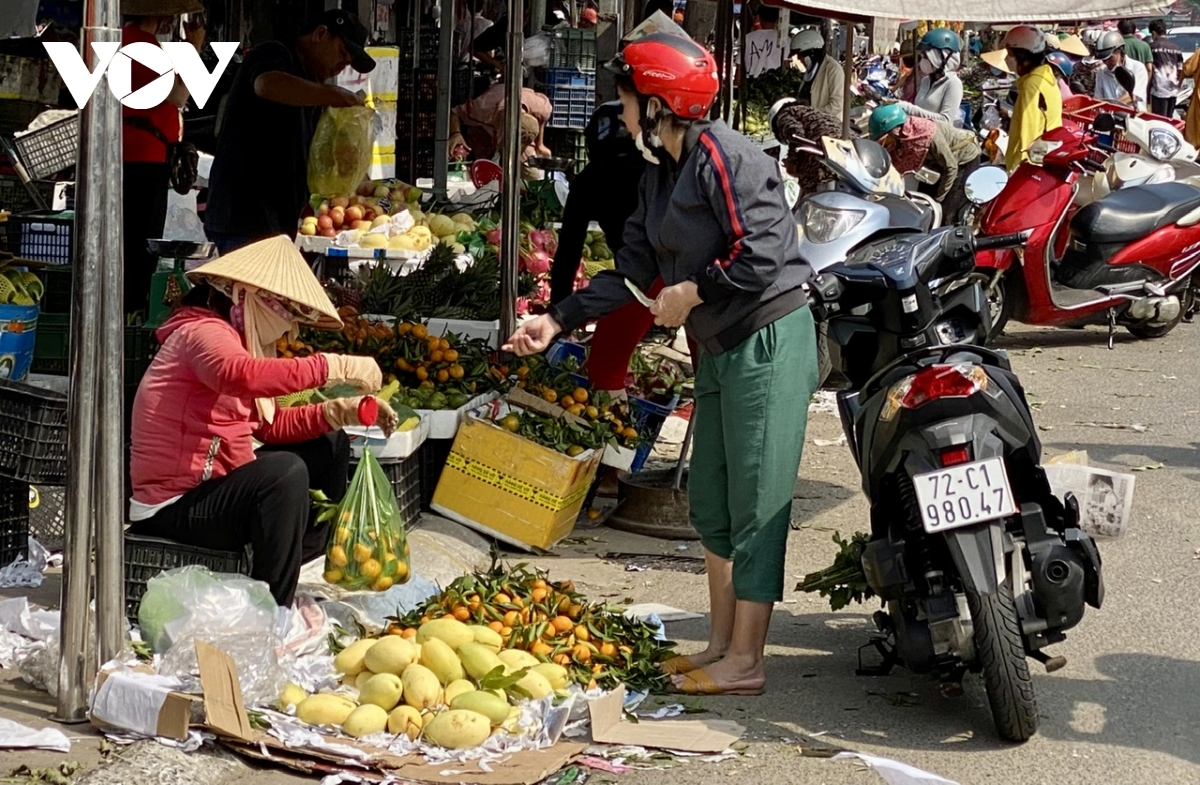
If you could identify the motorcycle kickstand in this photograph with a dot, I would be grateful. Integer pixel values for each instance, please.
(887, 652)
(951, 685)
(1112, 326)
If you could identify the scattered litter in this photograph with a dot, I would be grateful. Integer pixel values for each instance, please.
(13, 735)
(1134, 369)
(16, 616)
(823, 402)
(838, 442)
(1115, 426)
(1169, 378)
(1089, 365)
(1045, 427)
(1148, 467)
(681, 547)
(894, 772)
(635, 568)
(1156, 580)
(23, 572)
(640, 562)
(672, 710)
(663, 612)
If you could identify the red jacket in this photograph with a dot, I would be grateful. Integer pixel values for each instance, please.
(194, 413)
(139, 145)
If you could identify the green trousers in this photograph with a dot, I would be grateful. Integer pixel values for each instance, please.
(751, 410)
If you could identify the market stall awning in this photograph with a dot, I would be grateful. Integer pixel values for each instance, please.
(974, 11)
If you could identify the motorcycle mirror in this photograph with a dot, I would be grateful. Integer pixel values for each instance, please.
(1104, 123)
(985, 184)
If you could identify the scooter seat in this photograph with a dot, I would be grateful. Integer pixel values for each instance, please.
(1133, 213)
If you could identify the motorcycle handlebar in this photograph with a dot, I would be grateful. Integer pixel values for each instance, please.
(1002, 241)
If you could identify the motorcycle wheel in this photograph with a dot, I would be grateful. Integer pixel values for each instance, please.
(1000, 303)
(1001, 654)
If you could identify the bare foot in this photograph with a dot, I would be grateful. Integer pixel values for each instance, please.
(731, 673)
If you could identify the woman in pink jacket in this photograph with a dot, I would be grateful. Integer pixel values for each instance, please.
(209, 395)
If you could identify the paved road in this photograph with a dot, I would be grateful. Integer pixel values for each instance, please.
(1126, 709)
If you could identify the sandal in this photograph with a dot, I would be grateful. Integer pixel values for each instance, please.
(677, 665)
(698, 682)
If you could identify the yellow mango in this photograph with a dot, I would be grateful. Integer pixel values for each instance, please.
(441, 659)
(392, 655)
(536, 685)
(555, 674)
(478, 660)
(350, 662)
(324, 709)
(365, 720)
(515, 659)
(484, 703)
(383, 690)
(456, 688)
(486, 636)
(362, 678)
(458, 729)
(421, 687)
(452, 632)
(405, 719)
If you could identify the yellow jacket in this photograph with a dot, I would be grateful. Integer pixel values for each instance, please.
(1191, 70)
(1038, 109)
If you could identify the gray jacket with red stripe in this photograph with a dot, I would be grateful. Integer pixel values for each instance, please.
(717, 217)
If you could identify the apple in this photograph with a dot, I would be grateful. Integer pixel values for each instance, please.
(340, 201)
(338, 215)
(308, 229)
(370, 213)
(354, 213)
(323, 208)
(381, 192)
(355, 200)
(324, 222)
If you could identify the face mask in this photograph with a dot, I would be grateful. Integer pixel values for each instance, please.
(930, 63)
(1011, 62)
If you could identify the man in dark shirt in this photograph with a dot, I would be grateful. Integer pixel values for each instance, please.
(259, 180)
(1164, 81)
(1136, 48)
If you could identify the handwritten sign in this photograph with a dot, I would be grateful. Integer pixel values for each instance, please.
(763, 52)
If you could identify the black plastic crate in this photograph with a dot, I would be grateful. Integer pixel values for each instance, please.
(433, 456)
(15, 197)
(52, 348)
(429, 46)
(33, 435)
(573, 48)
(48, 514)
(568, 143)
(14, 521)
(50, 149)
(146, 557)
(44, 237)
(405, 477)
(58, 283)
(572, 92)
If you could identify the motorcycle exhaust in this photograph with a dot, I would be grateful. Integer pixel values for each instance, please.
(1155, 310)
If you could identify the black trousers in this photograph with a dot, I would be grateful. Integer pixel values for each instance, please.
(264, 503)
(1164, 107)
(145, 205)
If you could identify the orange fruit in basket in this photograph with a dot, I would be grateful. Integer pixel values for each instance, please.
(436, 356)
(405, 547)
(582, 633)
(462, 613)
(629, 433)
(420, 331)
(563, 660)
(401, 575)
(580, 395)
(549, 395)
(456, 370)
(496, 626)
(562, 625)
(450, 355)
(332, 576)
(540, 649)
(404, 329)
(342, 535)
(443, 376)
(512, 619)
(382, 584)
(581, 654)
(443, 344)
(422, 373)
(538, 594)
(409, 632)
(362, 552)
(608, 650)
(337, 555)
(370, 569)
(506, 632)
(592, 413)
(502, 599)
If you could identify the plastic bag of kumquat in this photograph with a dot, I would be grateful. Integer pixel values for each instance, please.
(367, 547)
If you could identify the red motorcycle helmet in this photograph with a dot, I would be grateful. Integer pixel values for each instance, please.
(676, 70)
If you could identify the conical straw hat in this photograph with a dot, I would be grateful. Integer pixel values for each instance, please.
(995, 58)
(1074, 45)
(276, 267)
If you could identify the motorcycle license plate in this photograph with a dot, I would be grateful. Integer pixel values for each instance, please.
(962, 495)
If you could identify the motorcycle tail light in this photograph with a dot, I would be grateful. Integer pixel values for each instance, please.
(931, 384)
(956, 455)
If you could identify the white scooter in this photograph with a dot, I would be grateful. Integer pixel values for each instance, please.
(1163, 156)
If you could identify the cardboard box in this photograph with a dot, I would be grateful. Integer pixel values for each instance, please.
(137, 701)
(466, 328)
(508, 487)
(698, 736)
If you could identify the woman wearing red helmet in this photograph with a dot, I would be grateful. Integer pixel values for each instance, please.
(713, 222)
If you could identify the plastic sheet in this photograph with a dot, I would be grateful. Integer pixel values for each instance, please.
(341, 151)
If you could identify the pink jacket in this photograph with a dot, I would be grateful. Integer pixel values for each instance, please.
(194, 413)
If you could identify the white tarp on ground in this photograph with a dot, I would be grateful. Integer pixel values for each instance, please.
(975, 11)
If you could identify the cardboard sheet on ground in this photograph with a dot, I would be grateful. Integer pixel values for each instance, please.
(608, 727)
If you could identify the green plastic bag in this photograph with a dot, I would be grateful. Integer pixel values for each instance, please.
(367, 547)
(341, 151)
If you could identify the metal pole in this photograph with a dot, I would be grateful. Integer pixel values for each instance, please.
(99, 134)
(446, 66)
(510, 215)
(848, 79)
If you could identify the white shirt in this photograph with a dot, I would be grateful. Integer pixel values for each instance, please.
(1109, 89)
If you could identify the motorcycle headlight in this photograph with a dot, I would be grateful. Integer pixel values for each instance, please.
(1163, 144)
(1040, 149)
(823, 225)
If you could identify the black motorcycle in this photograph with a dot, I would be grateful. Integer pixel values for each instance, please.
(978, 563)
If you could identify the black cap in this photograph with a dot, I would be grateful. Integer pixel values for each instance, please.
(347, 27)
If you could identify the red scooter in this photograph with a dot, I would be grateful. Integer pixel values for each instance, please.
(1126, 259)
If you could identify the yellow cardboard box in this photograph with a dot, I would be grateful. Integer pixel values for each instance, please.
(508, 487)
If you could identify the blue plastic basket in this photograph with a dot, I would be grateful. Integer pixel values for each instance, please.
(572, 92)
(648, 419)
